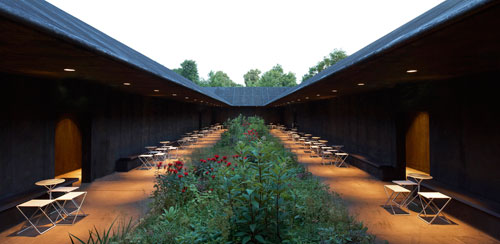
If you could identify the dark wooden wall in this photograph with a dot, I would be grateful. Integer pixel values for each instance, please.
(113, 125)
(464, 128)
(364, 124)
(465, 135)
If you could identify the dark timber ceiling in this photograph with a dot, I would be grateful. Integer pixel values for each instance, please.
(454, 39)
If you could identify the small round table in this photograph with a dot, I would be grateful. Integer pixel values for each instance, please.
(50, 184)
(165, 143)
(315, 138)
(419, 177)
(150, 148)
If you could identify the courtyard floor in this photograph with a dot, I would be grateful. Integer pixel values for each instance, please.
(364, 196)
(115, 197)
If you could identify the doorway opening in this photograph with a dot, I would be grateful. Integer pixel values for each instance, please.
(417, 143)
(68, 149)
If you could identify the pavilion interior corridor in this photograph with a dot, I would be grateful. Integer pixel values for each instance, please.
(116, 197)
(364, 196)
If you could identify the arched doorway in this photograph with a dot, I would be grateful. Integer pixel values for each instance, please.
(417, 143)
(68, 149)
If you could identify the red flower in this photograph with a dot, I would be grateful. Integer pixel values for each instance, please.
(212, 169)
(186, 173)
(245, 158)
(216, 156)
(164, 166)
(180, 176)
(183, 190)
(213, 176)
(201, 160)
(175, 171)
(170, 165)
(211, 189)
(232, 169)
(224, 158)
(207, 173)
(236, 155)
(228, 164)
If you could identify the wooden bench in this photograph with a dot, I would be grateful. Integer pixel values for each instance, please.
(126, 164)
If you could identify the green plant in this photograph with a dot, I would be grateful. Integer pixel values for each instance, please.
(245, 189)
(106, 236)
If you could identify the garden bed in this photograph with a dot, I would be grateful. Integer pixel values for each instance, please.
(246, 189)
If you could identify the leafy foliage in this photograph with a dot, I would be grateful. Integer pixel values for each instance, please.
(252, 77)
(219, 79)
(246, 189)
(189, 69)
(335, 56)
(275, 77)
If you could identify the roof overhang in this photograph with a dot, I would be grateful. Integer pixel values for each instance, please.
(41, 40)
(454, 39)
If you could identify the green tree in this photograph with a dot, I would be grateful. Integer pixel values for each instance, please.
(335, 56)
(252, 77)
(219, 79)
(276, 77)
(189, 69)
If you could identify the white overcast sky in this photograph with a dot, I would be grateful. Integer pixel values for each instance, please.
(236, 36)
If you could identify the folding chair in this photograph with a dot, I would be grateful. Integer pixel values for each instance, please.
(393, 197)
(41, 205)
(146, 160)
(328, 156)
(340, 161)
(159, 157)
(314, 149)
(408, 184)
(71, 196)
(428, 198)
(170, 149)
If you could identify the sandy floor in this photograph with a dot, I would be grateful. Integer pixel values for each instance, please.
(364, 196)
(119, 196)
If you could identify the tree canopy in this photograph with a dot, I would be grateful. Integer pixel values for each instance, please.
(219, 78)
(252, 77)
(335, 56)
(275, 77)
(189, 69)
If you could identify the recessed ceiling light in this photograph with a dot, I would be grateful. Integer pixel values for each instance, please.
(298, 100)
(156, 90)
(307, 97)
(195, 99)
(288, 102)
(201, 101)
(126, 84)
(361, 84)
(186, 97)
(317, 95)
(173, 94)
(412, 71)
(69, 70)
(334, 90)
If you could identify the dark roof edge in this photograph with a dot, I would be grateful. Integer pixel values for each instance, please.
(469, 8)
(54, 31)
